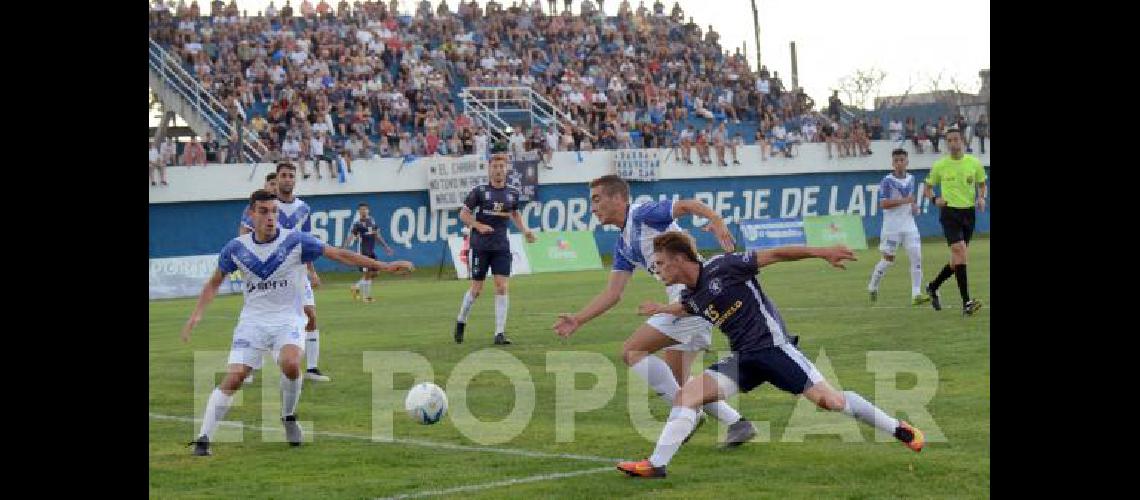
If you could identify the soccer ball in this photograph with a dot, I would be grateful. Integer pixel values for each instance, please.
(426, 403)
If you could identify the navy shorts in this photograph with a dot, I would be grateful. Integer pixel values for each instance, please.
(784, 367)
(498, 261)
(370, 255)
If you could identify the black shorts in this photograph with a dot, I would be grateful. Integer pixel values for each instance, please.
(498, 261)
(957, 224)
(784, 367)
(370, 255)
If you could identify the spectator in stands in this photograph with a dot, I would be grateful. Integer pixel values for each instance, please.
(686, 139)
(194, 154)
(833, 106)
(810, 132)
(780, 139)
(168, 151)
(156, 164)
(703, 138)
(211, 147)
(981, 131)
(733, 144)
(876, 129)
(517, 143)
(932, 134)
(718, 140)
(828, 134)
(916, 134)
(896, 130)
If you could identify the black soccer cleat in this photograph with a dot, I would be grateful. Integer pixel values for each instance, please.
(934, 299)
(293, 432)
(459, 332)
(739, 433)
(501, 339)
(201, 446)
(970, 307)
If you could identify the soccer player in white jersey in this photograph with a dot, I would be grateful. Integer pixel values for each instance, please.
(682, 339)
(273, 258)
(294, 214)
(246, 226)
(898, 201)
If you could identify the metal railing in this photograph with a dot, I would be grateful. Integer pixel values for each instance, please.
(489, 104)
(202, 101)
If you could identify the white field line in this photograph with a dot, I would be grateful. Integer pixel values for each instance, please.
(410, 442)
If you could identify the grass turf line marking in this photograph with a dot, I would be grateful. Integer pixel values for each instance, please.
(498, 484)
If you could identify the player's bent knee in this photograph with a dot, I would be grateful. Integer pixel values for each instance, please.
(631, 356)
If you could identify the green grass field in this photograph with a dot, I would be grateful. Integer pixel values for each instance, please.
(828, 308)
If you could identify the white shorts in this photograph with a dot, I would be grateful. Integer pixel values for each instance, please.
(889, 242)
(310, 300)
(693, 333)
(251, 341)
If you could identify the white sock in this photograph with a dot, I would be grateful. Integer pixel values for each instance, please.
(914, 254)
(312, 348)
(868, 413)
(726, 414)
(216, 409)
(681, 422)
(654, 370)
(290, 394)
(877, 274)
(465, 307)
(502, 303)
(367, 286)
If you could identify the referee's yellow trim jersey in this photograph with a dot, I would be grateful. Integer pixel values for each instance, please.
(958, 179)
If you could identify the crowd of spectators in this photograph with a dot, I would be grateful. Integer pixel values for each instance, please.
(360, 81)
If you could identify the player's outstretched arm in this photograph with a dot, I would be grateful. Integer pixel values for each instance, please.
(209, 291)
(568, 323)
(835, 255)
(516, 218)
(354, 259)
(715, 225)
(982, 196)
(649, 308)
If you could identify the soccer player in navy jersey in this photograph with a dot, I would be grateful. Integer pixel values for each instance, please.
(366, 229)
(486, 211)
(724, 290)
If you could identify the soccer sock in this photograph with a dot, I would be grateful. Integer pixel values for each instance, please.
(216, 409)
(502, 302)
(960, 274)
(654, 370)
(367, 288)
(680, 424)
(914, 253)
(465, 307)
(942, 276)
(877, 274)
(726, 414)
(290, 394)
(721, 411)
(868, 413)
(312, 348)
